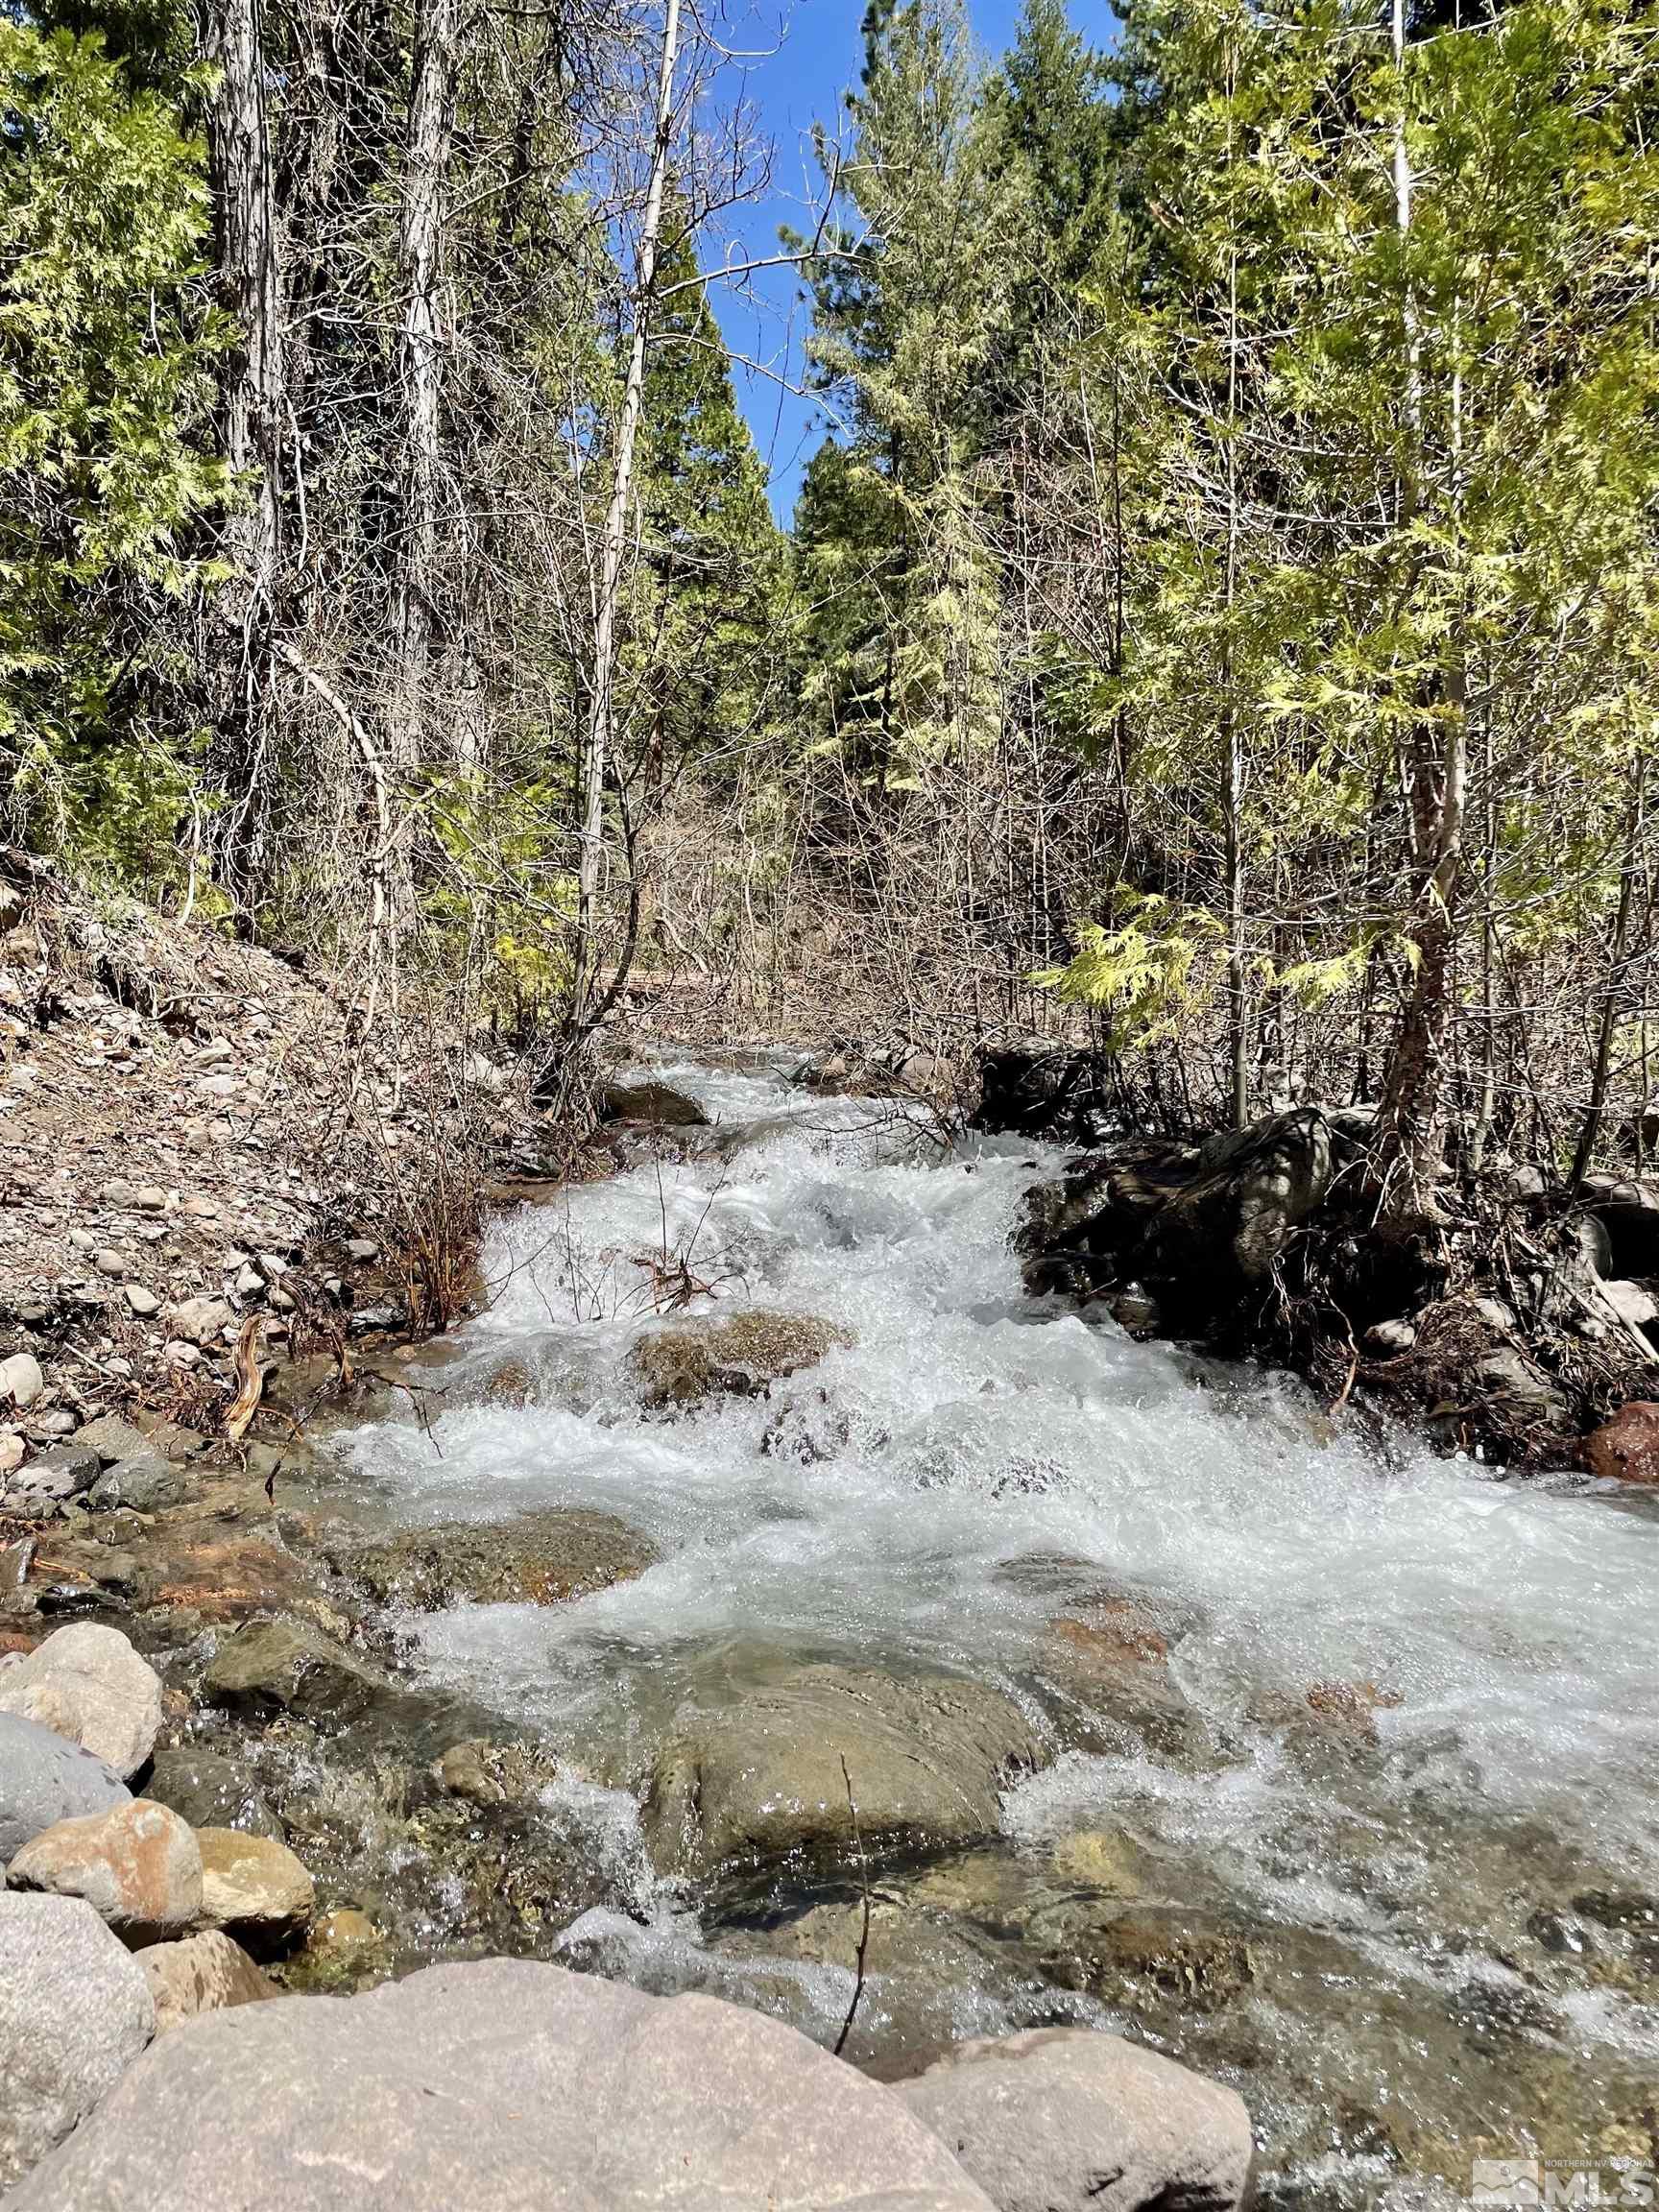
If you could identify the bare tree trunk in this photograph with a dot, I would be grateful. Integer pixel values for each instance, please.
(1590, 1133)
(253, 409)
(1232, 764)
(1412, 1127)
(420, 361)
(601, 727)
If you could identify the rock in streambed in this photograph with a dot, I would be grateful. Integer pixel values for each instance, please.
(926, 1761)
(537, 1560)
(735, 1357)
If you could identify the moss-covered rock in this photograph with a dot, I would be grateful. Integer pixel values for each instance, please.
(739, 1356)
(537, 1560)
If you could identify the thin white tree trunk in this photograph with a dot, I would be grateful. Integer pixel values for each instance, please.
(601, 728)
(253, 408)
(421, 347)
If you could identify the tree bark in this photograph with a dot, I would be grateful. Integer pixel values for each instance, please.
(601, 727)
(1412, 1125)
(420, 366)
(252, 406)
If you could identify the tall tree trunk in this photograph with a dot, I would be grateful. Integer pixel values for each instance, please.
(1232, 761)
(1617, 966)
(1411, 1131)
(242, 622)
(601, 727)
(420, 364)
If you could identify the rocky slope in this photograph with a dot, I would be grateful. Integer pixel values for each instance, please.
(205, 1168)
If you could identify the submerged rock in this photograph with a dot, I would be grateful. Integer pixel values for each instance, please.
(44, 1778)
(917, 1964)
(287, 1666)
(925, 1759)
(1109, 1661)
(736, 1357)
(1070, 2119)
(88, 1684)
(1147, 1959)
(75, 2011)
(209, 1791)
(503, 2087)
(538, 1559)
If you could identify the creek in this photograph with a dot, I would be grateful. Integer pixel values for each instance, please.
(1375, 1839)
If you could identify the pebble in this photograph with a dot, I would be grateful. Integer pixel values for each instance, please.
(21, 1380)
(109, 1263)
(361, 1248)
(59, 1423)
(143, 1302)
(150, 1199)
(11, 1450)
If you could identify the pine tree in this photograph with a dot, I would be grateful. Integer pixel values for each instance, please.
(106, 353)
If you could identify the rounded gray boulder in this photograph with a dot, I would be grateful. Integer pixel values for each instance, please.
(75, 2011)
(43, 1779)
(89, 1683)
(1069, 2120)
(504, 2086)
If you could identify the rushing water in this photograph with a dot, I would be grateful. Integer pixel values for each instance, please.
(1406, 1947)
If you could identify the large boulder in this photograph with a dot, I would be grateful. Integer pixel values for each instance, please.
(1069, 2120)
(88, 1684)
(253, 1887)
(75, 2011)
(926, 1761)
(44, 1778)
(206, 1973)
(504, 2086)
(137, 1865)
(538, 1559)
(738, 1356)
(270, 1667)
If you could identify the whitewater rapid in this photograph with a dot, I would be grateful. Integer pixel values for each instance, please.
(927, 1498)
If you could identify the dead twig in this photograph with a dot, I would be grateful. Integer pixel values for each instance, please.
(864, 1931)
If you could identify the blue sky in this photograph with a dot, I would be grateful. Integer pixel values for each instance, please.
(805, 53)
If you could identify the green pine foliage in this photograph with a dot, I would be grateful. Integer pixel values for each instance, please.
(105, 461)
